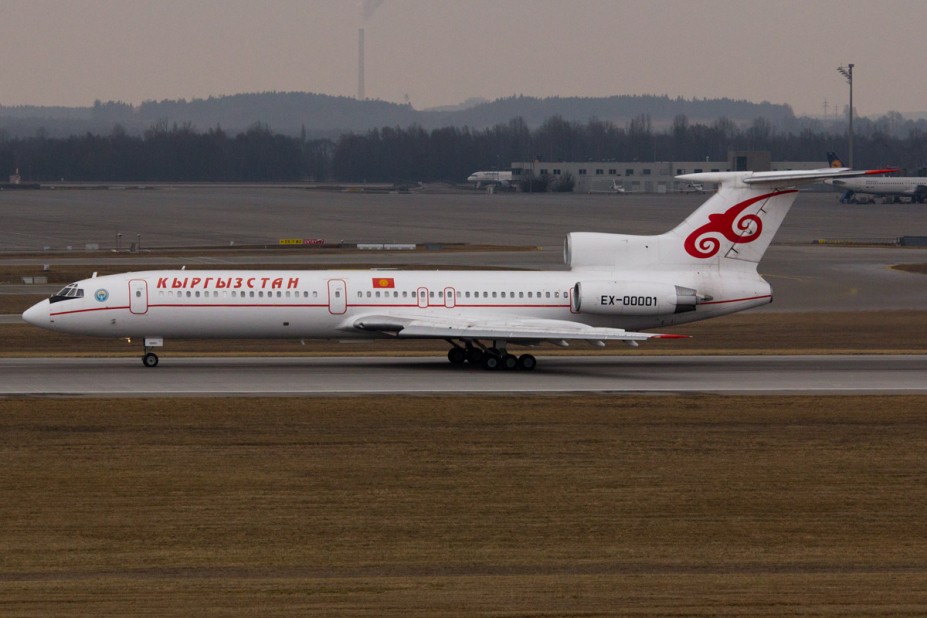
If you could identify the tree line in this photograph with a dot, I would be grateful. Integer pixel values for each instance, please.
(414, 154)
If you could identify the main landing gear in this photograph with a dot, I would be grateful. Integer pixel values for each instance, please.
(492, 358)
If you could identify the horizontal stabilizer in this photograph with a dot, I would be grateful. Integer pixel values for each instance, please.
(779, 179)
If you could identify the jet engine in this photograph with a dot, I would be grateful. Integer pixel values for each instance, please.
(631, 298)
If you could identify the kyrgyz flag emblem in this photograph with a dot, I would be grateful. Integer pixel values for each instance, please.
(384, 282)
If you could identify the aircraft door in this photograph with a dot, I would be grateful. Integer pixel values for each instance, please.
(337, 296)
(138, 296)
(450, 298)
(422, 294)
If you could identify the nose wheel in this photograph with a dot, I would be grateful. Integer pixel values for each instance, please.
(149, 358)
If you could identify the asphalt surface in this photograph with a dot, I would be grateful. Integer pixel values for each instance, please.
(371, 375)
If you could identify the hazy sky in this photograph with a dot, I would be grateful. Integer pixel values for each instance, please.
(439, 52)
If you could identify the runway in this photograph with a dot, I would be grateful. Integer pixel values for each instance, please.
(255, 376)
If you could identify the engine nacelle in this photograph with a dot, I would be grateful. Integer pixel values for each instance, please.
(632, 298)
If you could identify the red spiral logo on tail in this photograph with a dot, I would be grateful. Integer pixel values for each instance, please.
(704, 242)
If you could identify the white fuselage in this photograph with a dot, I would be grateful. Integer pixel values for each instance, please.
(911, 186)
(326, 304)
(487, 178)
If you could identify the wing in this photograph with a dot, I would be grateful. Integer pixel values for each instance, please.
(520, 330)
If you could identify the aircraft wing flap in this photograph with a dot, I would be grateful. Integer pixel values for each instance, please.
(527, 329)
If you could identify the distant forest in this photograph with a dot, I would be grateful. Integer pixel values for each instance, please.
(300, 136)
(414, 154)
(314, 116)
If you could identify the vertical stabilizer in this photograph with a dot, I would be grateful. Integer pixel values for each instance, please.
(738, 222)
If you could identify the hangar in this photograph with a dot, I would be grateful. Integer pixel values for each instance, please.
(647, 176)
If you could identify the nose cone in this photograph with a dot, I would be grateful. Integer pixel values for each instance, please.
(37, 314)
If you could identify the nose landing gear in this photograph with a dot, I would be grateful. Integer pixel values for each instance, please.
(149, 358)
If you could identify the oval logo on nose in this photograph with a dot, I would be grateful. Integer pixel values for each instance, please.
(101, 295)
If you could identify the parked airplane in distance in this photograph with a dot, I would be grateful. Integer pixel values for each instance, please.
(693, 187)
(617, 286)
(891, 188)
(485, 178)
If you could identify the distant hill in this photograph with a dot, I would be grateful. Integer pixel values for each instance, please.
(318, 115)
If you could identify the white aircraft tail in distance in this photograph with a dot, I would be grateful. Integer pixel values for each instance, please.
(615, 188)
(617, 287)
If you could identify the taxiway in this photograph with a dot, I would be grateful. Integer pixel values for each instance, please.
(255, 376)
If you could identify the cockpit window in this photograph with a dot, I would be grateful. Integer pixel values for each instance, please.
(66, 293)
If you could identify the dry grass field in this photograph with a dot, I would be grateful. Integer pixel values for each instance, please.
(405, 506)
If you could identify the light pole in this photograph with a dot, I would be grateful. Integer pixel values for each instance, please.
(847, 73)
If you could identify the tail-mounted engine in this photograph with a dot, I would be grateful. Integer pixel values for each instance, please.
(632, 298)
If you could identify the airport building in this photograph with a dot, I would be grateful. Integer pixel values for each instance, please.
(647, 177)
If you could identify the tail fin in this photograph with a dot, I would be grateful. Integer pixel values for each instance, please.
(738, 222)
(833, 160)
(735, 226)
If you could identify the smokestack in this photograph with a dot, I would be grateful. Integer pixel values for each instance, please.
(360, 65)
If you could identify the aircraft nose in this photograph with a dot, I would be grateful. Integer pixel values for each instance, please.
(37, 314)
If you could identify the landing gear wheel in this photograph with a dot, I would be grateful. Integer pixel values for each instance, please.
(475, 356)
(491, 362)
(150, 359)
(509, 361)
(527, 362)
(457, 356)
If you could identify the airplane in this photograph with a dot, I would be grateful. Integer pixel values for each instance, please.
(503, 179)
(693, 187)
(617, 286)
(893, 188)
